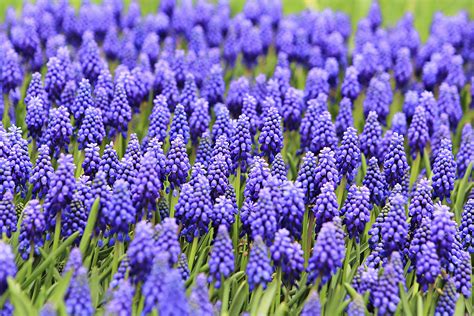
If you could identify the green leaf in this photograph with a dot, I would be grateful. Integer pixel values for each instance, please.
(60, 289)
(21, 301)
(52, 256)
(460, 307)
(282, 310)
(267, 299)
(239, 299)
(86, 237)
(404, 299)
(352, 292)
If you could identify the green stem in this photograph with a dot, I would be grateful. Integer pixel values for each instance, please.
(415, 169)
(192, 254)
(116, 256)
(225, 298)
(57, 235)
(341, 190)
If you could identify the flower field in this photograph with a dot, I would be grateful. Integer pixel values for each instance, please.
(264, 157)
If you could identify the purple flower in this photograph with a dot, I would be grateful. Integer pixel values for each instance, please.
(78, 296)
(271, 136)
(55, 79)
(444, 172)
(257, 178)
(350, 87)
(310, 119)
(385, 295)
(167, 240)
(428, 266)
(8, 217)
(378, 97)
(325, 171)
(428, 101)
(312, 305)
(324, 133)
(292, 203)
(306, 176)
(122, 298)
(466, 228)
(403, 68)
(9, 269)
(61, 188)
(287, 255)
(59, 130)
(410, 103)
(348, 156)
(92, 129)
(241, 145)
(68, 96)
(199, 120)
(292, 108)
(74, 216)
(41, 173)
(189, 94)
(325, 207)
(328, 253)
(184, 269)
(204, 150)
(344, 118)
(194, 207)
(110, 164)
(89, 57)
(446, 304)
(214, 86)
(279, 170)
(462, 270)
(237, 90)
(10, 71)
(141, 252)
(146, 186)
(249, 108)
(259, 270)
(223, 212)
(251, 44)
(177, 164)
(120, 112)
(222, 124)
(172, 299)
(159, 119)
(418, 134)
(221, 258)
(32, 229)
(119, 210)
(199, 303)
(20, 167)
(443, 231)
(316, 83)
(456, 75)
(465, 154)
(356, 209)
(394, 229)
(395, 163)
(36, 111)
(421, 235)
(264, 218)
(91, 162)
(449, 102)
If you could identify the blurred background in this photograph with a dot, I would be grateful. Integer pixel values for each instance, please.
(392, 10)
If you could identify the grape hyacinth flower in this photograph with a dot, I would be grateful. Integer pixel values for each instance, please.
(159, 119)
(194, 207)
(328, 253)
(74, 216)
(403, 68)
(120, 112)
(122, 299)
(344, 118)
(199, 303)
(394, 229)
(119, 210)
(78, 296)
(21, 168)
(312, 306)
(264, 218)
(82, 101)
(8, 217)
(32, 229)
(167, 240)
(221, 258)
(199, 120)
(309, 121)
(10, 71)
(287, 255)
(271, 136)
(141, 252)
(418, 134)
(257, 179)
(179, 124)
(279, 170)
(153, 287)
(350, 87)
(183, 267)
(444, 172)
(466, 229)
(92, 130)
(7, 262)
(325, 207)
(324, 133)
(172, 299)
(91, 162)
(428, 266)
(348, 158)
(292, 108)
(421, 205)
(223, 212)
(259, 270)
(110, 164)
(395, 163)
(443, 231)
(316, 83)
(59, 130)
(177, 163)
(189, 94)
(146, 186)
(35, 117)
(371, 136)
(325, 171)
(356, 211)
(7, 185)
(241, 145)
(214, 86)
(292, 202)
(386, 296)
(399, 123)
(61, 188)
(447, 301)
(465, 154)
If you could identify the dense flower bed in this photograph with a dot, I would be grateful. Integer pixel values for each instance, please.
(190, 162)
